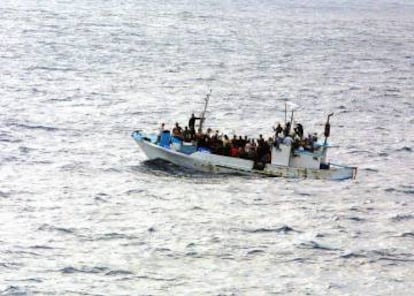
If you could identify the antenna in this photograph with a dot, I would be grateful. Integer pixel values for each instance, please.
(203, 114)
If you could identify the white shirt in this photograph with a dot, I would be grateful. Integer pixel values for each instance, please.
(288, 140)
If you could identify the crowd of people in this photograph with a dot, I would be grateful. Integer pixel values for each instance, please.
(258, 149)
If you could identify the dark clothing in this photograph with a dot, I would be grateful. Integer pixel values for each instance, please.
(286, 131)
(191, 124)
(226, 150)
(278, 130)
(299, 130)
(187, 135)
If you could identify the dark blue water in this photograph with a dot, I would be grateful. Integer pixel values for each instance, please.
(81, 214)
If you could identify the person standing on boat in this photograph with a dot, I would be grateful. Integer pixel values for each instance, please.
(286, 131)
(162, 128)
(161, 131)
(178, 127)
(261, 140)
(278, 130)
(187, 134)
(191, 124)
(299, 130)
(178, 132)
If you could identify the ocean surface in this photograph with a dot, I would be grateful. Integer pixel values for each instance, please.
(82, 213)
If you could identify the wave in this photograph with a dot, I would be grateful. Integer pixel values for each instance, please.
(406, 190)
(317, 246)
(403, 217)
(9, 265)
(47, 227)
(41, 247)
(379, 255)
(371, 170)
(357, 219)
(256, 251)
(405, 149)
(350, 255)
(84, 269)
(119, 272)
(390, 256)
(193, 254)
(4, 194)
(100, 199)
(134, 191)
(282, 229)
(359, 152)
(35, 127)
(197, 208)
(51, 69)
(9, 139)
(23, 252)
(16, 291)
(65, 99)
(115, 235)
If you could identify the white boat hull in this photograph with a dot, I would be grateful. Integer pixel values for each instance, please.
(207, 162)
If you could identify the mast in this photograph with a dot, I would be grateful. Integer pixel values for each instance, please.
(291, 120)
(292, 107)
(203, 114)
(326, 133)
(327, 129)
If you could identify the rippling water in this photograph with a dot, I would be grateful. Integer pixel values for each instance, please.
(81, 214)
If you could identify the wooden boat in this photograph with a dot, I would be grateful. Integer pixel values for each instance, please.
(284, 160)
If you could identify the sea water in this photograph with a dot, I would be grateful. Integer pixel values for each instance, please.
(81, 213)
